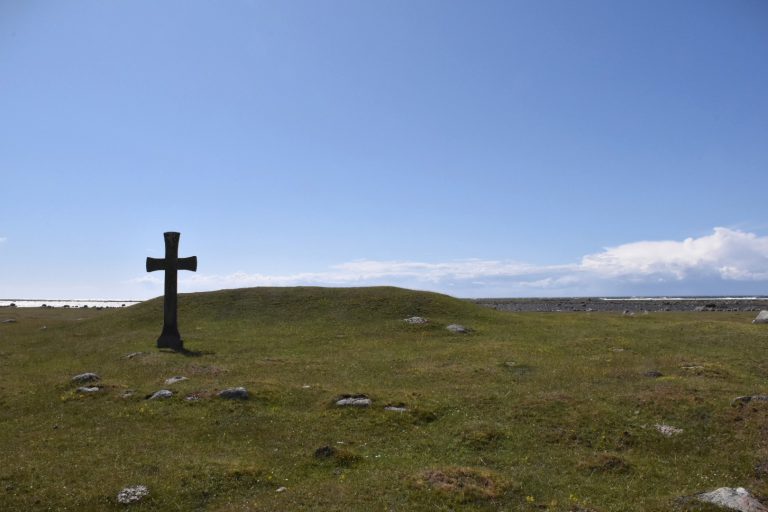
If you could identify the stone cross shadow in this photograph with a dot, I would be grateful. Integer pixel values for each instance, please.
(170, 337)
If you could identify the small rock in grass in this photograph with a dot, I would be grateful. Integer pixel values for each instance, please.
(86, 377)
(9, 321)
(668, 430)
(396, 408)
(747, 399)
(239, 393)
(192, 398)
(132, 355)
(762, 318)
(733, 498)
(132, 494)
(457, 329)
(163, 393)
(281, 489)
(128, 393)
(174, 380)
(88, 389)
(654, 374)
(415, 320)
(354, 401)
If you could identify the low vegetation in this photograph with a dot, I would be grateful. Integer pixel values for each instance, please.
(527, 411)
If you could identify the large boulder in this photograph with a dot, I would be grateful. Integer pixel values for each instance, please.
(762, 318)
(735, 499)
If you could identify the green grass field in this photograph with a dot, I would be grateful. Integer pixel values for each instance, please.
(527, 412)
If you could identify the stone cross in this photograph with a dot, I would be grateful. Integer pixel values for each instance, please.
(170, 337)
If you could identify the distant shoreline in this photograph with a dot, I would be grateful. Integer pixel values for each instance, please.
(626, 304)
(523, 304)
(66, 303)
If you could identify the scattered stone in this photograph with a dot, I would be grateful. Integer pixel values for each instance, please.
(692, 367)
(88, 389)
(306, 386)
(132, 494)
(762, 317)
(132, 355)
(747, 399)
(627, 312)
(43, 327)
(8, 321)
(617, 349)
(653, 374)
(668, 430)
(354, 401)
(192, 398)
(174, 380)
(163, 393)
(416, 320)
(733, 498)
(457, 329)
(86, 377)
(396, 408)
(239, 393)
(281, 489)
(128, 393)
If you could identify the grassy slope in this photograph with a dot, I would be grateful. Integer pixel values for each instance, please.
(569, 425)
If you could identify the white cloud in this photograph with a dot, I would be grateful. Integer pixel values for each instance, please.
(727, 253)
(726, 258)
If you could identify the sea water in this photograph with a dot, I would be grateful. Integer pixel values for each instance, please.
(59, 303)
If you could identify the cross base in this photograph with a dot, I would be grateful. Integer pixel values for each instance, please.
(171, 341)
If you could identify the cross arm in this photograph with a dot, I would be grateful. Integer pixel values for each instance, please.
(155, 264)
(188, 263)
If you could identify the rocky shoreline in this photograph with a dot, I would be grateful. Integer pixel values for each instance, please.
(588, 304)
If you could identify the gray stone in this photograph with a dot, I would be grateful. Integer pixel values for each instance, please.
(653, 374)
(86, 377)
(396, 408)
(174, 380)
(8, 321)
(239, 393)
(163, 393)
(132, 494)
(457, 329)
(747, 399)
(733, 498)
(88, 389)
(132, 355)
(416, 320)
(762, 318)
(668, 430)
(354, 401)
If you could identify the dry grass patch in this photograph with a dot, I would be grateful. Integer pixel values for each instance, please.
(605, 463)
(464, 483)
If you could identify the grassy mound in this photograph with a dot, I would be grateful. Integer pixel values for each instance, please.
(563, 405)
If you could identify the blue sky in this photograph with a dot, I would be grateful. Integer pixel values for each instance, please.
(493, 148)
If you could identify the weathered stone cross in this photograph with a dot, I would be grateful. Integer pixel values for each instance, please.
(170, 337)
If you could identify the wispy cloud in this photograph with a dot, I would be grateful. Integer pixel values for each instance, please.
(690, 265)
